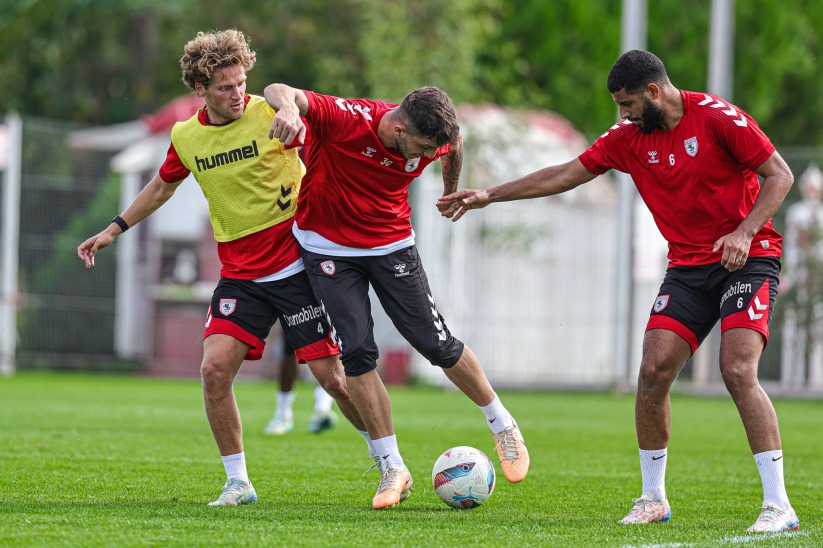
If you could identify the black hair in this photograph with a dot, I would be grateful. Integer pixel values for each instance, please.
(431, 112)
(634, 70)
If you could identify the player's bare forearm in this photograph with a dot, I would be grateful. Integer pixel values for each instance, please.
(154, 195)
(777, 180)
(282, 96)
(290, 103)
(545, 182)
(452, 163)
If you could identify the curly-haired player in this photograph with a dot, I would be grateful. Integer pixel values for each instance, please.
(251, 184)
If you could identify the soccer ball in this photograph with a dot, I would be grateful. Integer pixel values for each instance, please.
(463, 477)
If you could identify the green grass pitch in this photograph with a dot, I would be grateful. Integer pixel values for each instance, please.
(129, 461)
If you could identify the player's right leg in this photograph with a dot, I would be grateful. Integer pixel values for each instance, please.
(222, 358)
(683, 314)
(342, 288)
(664, 354)
(239, 320)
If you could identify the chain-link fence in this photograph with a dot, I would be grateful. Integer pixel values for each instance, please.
(64, 318)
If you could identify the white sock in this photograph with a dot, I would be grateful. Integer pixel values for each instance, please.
(653, 471)
(322, 401)
(284, 405)
(235, 466)
(498, 417)
(387, 450)
(770, 466)
(369, 442)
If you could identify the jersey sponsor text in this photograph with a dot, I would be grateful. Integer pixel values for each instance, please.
(224, 158)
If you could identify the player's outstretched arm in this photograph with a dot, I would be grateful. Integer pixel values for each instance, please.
(545, 182)
(154, 195)
(290, 103)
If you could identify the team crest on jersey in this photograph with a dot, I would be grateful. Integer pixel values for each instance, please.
(661, 302)
(228, 306)
(328, 267)
(691, 146)
(411, 165)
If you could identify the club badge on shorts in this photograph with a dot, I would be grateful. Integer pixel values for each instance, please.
(661, 302)
(228, 306)
(328, 267)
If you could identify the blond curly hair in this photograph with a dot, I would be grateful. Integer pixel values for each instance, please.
(213, 50)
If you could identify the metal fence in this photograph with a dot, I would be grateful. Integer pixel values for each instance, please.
(528, 285)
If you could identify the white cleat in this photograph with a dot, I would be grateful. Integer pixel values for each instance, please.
(235, 492)
(774, 518)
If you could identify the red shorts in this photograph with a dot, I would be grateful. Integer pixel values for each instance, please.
(693, 298)
(247, 310)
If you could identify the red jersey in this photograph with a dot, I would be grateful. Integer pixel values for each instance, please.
(257, 255)
(355, 191)
(697, 179)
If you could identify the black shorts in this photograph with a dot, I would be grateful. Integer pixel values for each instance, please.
(693, 298)
(247, 310)
(341, 285)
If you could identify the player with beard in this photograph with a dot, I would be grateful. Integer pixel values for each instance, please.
(695, 160)
(353, 223)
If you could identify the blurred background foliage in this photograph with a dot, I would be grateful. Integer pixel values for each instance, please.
(108, 61)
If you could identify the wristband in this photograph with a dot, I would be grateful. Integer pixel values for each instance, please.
(118, 220)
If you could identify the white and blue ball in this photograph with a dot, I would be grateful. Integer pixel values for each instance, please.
(463, 477)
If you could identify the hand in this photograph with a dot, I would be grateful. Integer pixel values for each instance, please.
(735, 250)
(455, 205)
(88, 249)
(287, 125)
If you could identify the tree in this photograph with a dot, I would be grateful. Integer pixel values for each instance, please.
(102, 62)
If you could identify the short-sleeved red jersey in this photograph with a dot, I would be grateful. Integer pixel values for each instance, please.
(355, 191)
(697, 179)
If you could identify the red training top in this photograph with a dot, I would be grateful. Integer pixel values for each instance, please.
(355, 191)
(697, 179)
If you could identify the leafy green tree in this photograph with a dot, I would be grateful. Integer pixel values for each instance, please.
(556, 55)
(103, 61)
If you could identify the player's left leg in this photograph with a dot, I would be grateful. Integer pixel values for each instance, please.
(401, 284)
(332, 383)
(468, 375)
(740, 352)
(750, 295)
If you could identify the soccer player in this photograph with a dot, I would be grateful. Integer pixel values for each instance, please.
(251, 185)
(695, 160)
(354, 227)
(323, 418)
